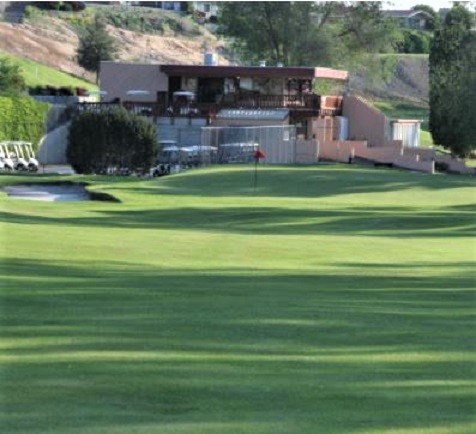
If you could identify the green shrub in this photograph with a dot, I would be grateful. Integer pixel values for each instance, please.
(114, 140)
(32, 13)
(153, 22)
(22, 118)
(11, 78)
(66, 7)
(415, 42)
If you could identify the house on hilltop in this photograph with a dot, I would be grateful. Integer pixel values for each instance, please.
(411, 19)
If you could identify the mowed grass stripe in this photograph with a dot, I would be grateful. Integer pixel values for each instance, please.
(332, 299)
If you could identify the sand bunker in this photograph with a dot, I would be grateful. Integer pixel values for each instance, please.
(49, 192)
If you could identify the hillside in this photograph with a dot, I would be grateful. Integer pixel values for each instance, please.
(38, 74)
(52, 41)
(396, 76)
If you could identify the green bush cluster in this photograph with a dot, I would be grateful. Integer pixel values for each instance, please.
(57, 91)
(113, 140)
(154, 22)
(22, 118)
(415, 42)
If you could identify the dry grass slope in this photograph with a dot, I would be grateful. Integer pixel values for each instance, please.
(53, 42)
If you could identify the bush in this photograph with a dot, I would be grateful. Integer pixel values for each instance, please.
(415, 42)
(22, 118)
(11, 78)
(32, 13)
(66, 7)
(111, 141)
(145, 21)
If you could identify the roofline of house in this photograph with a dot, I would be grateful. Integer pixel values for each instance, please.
(407, 13)
(254, 71)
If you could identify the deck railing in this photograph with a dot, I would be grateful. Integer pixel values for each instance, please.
(293, 102)
(308, 103)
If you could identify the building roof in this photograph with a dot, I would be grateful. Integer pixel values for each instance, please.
(254, 71)
(407, 13)
(276, 114)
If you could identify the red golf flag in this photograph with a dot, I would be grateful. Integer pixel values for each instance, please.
(258, 154)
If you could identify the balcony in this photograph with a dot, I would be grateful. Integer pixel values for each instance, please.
(307, 102)
(300, 104)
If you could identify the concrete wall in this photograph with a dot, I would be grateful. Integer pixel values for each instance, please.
(366, 122)
(454, 165)
(52, 147)
(117, 78)
(340, 150)
(391, 154)
(418, 159)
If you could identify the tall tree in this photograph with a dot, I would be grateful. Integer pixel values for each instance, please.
(305, 33)
(95, 44)
(11, 79)
(452, 83)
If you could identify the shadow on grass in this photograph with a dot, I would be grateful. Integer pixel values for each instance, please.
(388, 221)
(122, 347)
(299, 182)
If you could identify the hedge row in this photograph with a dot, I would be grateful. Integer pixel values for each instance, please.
(58, 91)
(22, 118)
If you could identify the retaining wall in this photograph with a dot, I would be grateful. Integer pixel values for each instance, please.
(395, 155)
(52, 147)
(366, 122)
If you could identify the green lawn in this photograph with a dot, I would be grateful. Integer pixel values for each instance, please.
(334, 299)
(36, 74)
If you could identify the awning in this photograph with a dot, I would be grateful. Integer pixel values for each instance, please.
(297, 72)
(275, 115)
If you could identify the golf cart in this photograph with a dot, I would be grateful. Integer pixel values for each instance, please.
(30, 157)
(20, 162)
(169, 156)
(6, 163)
(242, 152)
(170, 152)
(195, 155)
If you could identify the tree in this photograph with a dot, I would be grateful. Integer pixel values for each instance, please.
(111, 140)
(452, 83)
(366, 30)
(95, 44)
(11, 79)
(305, 33)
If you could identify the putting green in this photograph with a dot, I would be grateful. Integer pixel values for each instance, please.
(333, 299)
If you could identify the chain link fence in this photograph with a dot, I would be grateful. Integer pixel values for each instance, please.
(231, 145)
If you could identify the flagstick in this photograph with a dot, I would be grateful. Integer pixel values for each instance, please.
(255, 182)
